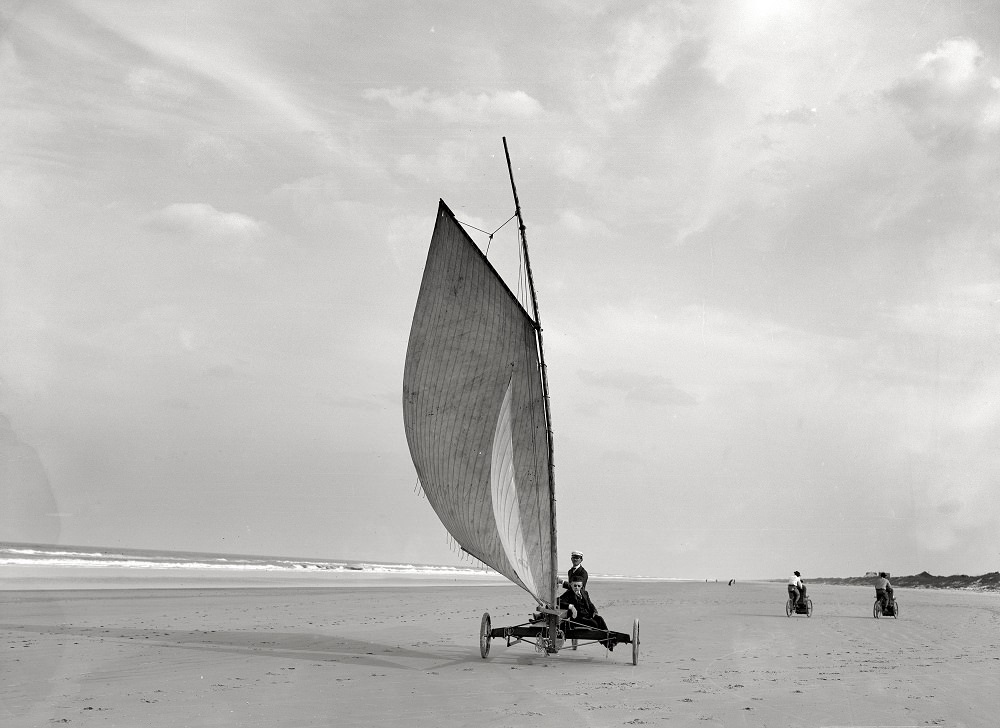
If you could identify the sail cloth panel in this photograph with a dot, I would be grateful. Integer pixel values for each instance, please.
(474, 414)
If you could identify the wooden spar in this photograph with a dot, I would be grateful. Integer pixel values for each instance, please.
(554, 556)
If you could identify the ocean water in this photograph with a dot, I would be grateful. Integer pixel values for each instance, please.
(26, 566)
(48, 555)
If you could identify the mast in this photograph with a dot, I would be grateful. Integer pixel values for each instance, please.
(545, 380)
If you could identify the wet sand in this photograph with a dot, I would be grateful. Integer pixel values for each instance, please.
(405, 654)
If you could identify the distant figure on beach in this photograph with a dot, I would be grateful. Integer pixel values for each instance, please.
(732, 581)
(796, 589)
(576, 571)
(883, 589)
(581, 610)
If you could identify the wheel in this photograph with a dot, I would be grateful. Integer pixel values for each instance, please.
(635, 642)
(788, 608)
(809, 607)
(484, 635)
(877, 609)
(895, 609)
(560, 640)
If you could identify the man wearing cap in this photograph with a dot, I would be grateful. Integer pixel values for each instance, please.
(796, 589)
(576, 571)
(883, 589)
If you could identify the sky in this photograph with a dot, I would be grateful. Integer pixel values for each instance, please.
(764, 235)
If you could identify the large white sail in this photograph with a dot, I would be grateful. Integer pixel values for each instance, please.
(471, 384)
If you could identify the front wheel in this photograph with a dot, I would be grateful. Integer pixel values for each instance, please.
(635, 642)
(895, 609)
(484, 635)
(788, 608)
(877, 609)
(809, 607)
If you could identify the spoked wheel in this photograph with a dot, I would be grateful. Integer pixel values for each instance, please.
(809, 607)
(635, 642)
(895, 609)
(788, 608)
(877, 609)
(559, 641)
(484, 635)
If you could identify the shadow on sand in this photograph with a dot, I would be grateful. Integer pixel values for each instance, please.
(285, 645)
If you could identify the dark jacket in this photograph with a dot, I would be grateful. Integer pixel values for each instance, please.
(585, 608)
(577, 572)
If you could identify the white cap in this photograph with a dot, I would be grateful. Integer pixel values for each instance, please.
(577, 553)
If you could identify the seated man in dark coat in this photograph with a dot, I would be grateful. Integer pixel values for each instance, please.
(582, 611)
(883, 590)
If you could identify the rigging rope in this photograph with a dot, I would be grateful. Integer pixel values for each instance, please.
(522, 277)
(486, 233)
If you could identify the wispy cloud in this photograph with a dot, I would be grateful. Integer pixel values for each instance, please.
(642, 48)
(965, 313)
(208, 56)
(197, 217)
(798, 115)
(449, 161)
(651, 388)
(157, 85)
(463, 107)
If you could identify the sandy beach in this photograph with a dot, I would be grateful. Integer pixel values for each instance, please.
(404, 653)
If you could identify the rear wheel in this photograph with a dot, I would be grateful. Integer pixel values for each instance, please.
(809, 607)
(895, 609)
(484, 635)
(877, 609)
(788, 608)
(635, 642)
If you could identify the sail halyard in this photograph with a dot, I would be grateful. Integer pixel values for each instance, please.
(475, 414)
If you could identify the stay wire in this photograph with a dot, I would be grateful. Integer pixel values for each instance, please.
(490, 241)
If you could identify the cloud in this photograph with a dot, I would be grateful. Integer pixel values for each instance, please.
(311, 198)
(153, 85)
(583, 223)
(450, 160)
(651, 388)
(967, 314)
(199, 218)
(951, 100)
(224, 371)
(957, 505)
(641, 50)
(799, 115)
(178, 403)
(953, 65)
(572, 160)
(461, 107)
(186, 41)
(213, 241)
(28, 510)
